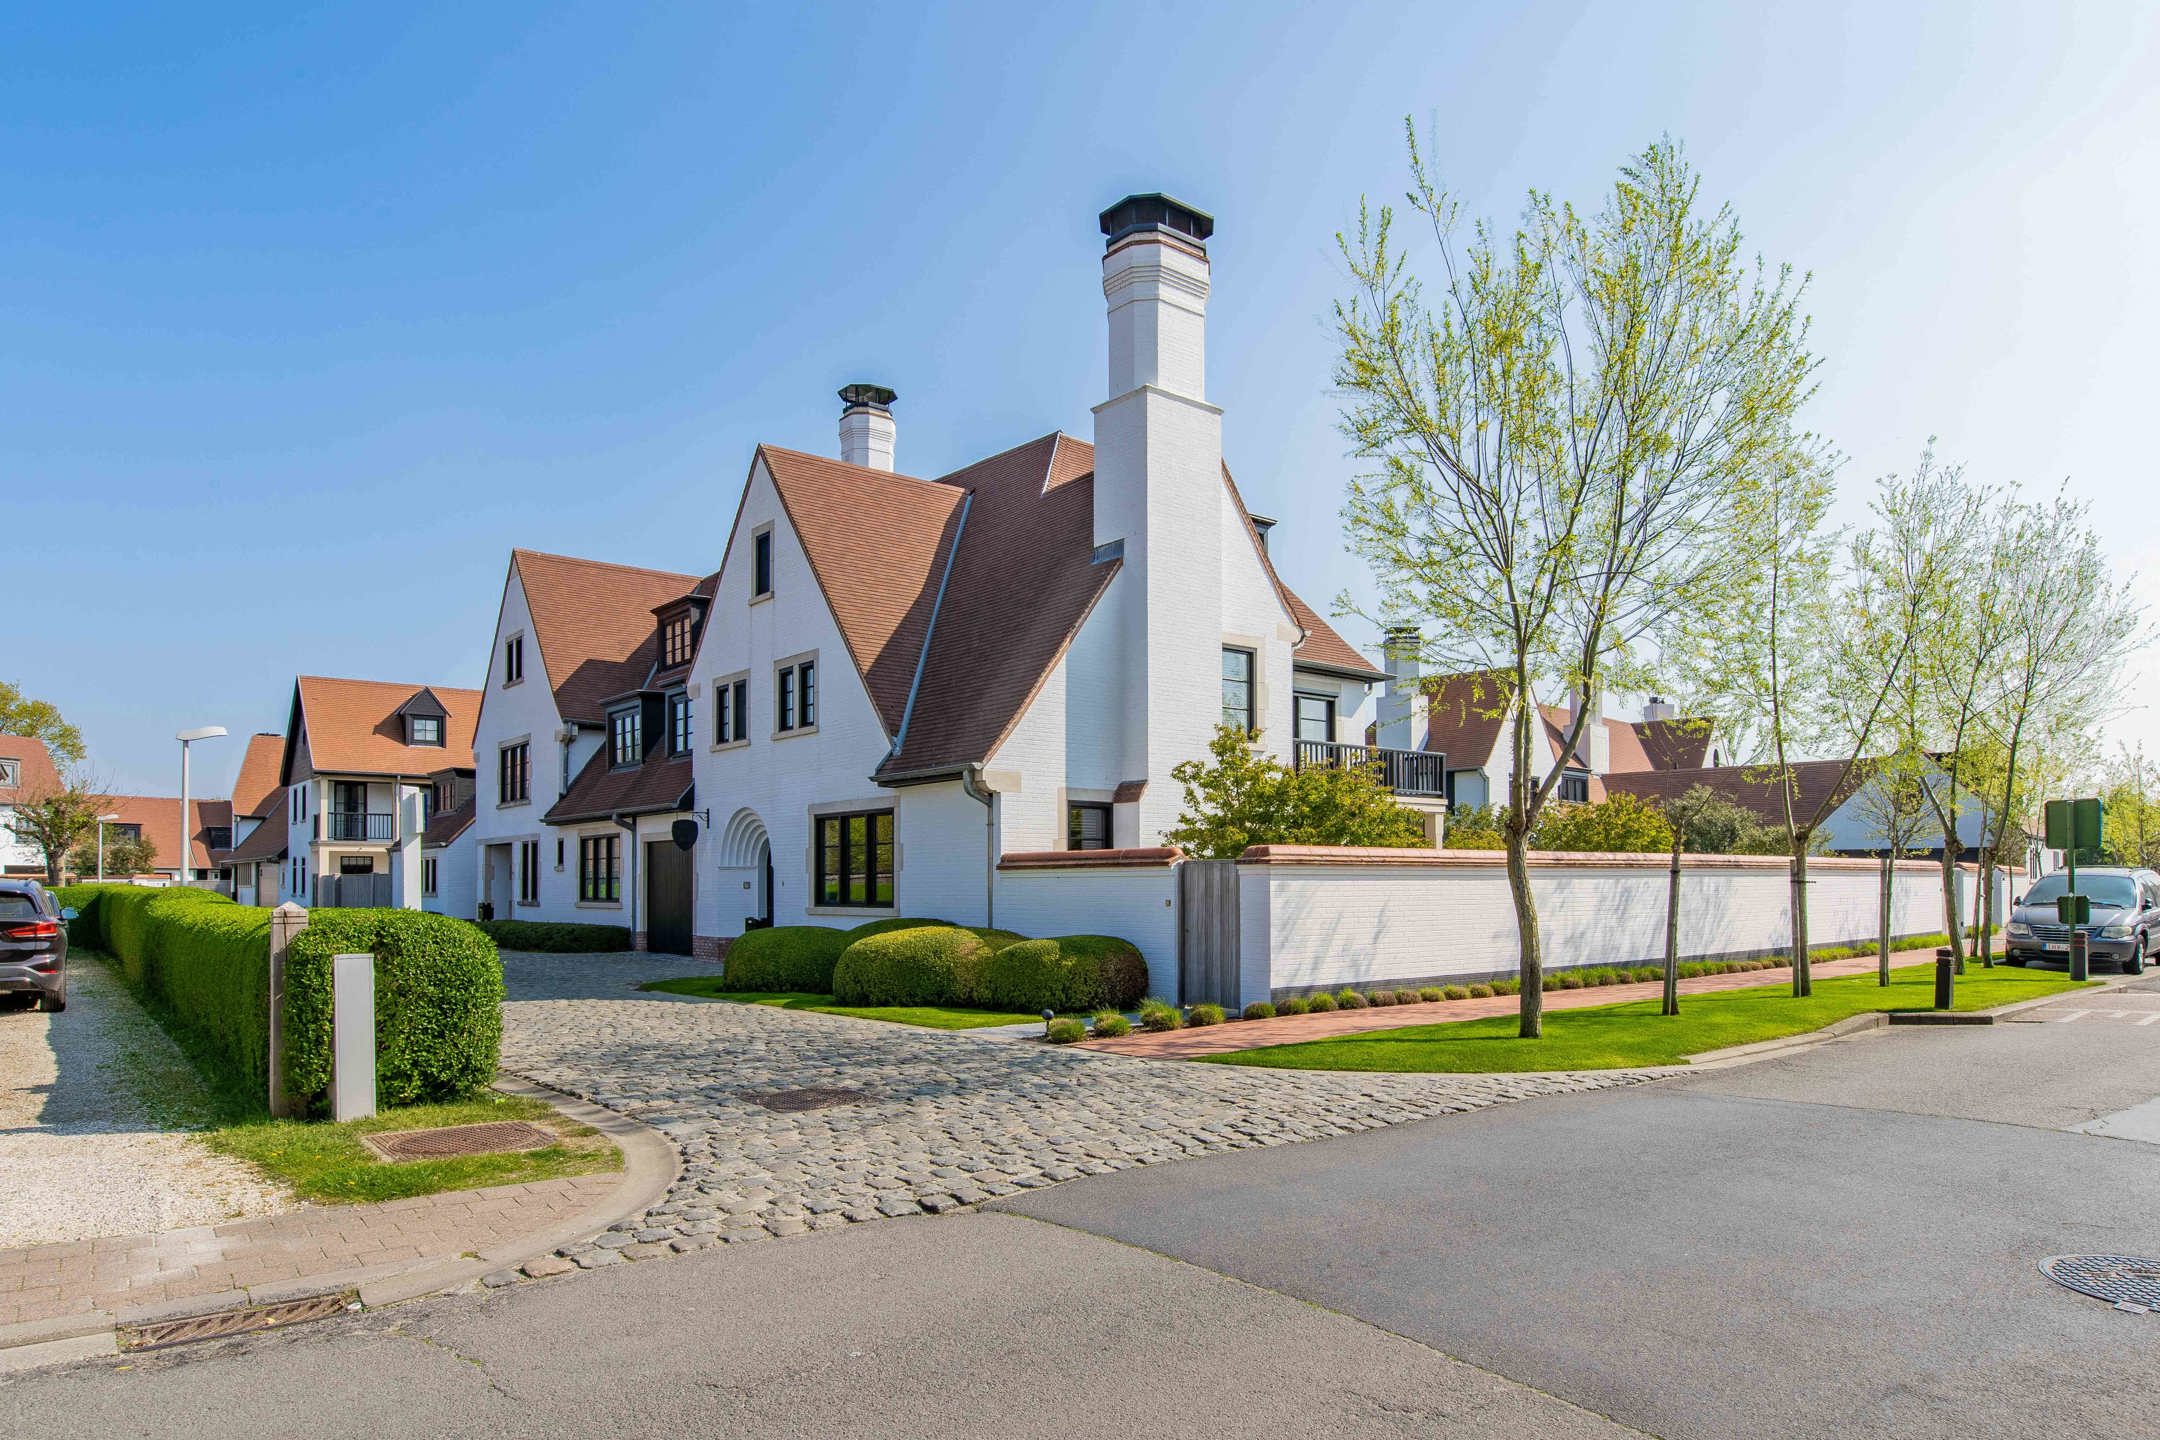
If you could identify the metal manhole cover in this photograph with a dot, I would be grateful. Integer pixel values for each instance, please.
(231, 1322)
(815, 1097)
(492, 1138)
(2128, 1282)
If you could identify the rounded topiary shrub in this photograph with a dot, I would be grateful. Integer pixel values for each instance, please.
(1507, 987)
(1071, 972)
(1381, 997)
(1455, 992)
(784, 957)
(1065, 1031)
(1406, 997)
(1321, 1003)
(889, 923)
(1205, 1015)
(1430, 993)
(1109, 1024)
(1481, 992)
(1159, 1015)
(1295, 1005)
(1350, 1000)
(1260, 1010)
(924, 965)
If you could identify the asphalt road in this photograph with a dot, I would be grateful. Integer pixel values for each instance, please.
(1839, 1243)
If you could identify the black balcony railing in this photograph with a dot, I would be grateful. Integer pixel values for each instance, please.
(1406, 772)
(362, 825)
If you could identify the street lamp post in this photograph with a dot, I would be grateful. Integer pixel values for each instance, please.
(187, 838)
(102, 822)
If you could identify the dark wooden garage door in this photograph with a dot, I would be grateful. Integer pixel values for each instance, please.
(667, 898)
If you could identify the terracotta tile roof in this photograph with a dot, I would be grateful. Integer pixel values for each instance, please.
(1755, 788)
(446, 827)
(878, 544)
(353, 727)
(265, 842)
(256, 791)
(158, 817)
(37, 775)
(600, 791)
(1673, 744)
(1464, 714)
(1322, 647)
(592, 623)
(1030, 525)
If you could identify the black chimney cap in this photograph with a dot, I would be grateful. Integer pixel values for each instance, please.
(876, 397)
(1155, 212)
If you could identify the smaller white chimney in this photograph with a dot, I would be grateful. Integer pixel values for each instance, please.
(1658, 709)
(866, 426)
(1399, 717)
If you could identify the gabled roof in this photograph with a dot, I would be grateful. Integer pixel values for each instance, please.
(601, 792)
(1673, 744)
(265, 842)
(158, 818)
(592, 623)
(1755, 788)
(878, 544)
(447, 826)
(1322, 648)
(1464, 714)
(38, 775)
(354, 727)
(255, 790)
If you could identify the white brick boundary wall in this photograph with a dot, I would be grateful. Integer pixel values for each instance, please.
(1320, 918)
(1131, 894)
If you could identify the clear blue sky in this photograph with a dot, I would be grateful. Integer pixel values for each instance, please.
(308, 316)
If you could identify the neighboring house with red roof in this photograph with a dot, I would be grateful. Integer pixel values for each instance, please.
(156, 819)
(365, 767)
(1467, 718)
(890, 682)
(27, 774)
(257, 800)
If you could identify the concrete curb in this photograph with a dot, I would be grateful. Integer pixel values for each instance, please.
(650, 1166)
(1990, 1017)
(1879, 1020)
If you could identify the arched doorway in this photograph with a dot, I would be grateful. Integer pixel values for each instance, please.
(746, 862)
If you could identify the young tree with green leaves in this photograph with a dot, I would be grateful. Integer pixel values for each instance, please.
(53, 819)
(126, 853)
(39, 720)
(1554, 431)
(1240, 796)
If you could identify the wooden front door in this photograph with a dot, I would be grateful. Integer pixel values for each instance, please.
(668, 895)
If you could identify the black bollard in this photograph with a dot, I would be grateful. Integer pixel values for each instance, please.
(1945, 968)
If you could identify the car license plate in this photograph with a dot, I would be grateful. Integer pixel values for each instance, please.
(2058, 947)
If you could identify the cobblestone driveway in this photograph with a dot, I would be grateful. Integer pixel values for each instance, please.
(949, 1119)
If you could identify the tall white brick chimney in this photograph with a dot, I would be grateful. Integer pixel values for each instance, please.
(1399, 715)
(866, 426)
(1158, 491)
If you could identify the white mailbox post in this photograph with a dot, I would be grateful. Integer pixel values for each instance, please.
(352, 1036)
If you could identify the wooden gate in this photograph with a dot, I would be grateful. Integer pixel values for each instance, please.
(667, 898)
(1208, 932)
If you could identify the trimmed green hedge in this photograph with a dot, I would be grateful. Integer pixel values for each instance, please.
(893, 922)
(438, 1003)
(87, 900)
(925, 965)
(204, 963)
(784, 957)
(1072, 972)
(556, 937)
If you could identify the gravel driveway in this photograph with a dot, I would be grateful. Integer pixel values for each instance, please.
(86, 1100)
(937, 1120)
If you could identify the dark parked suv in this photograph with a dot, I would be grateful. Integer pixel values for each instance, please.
(2125, 918)
(33, 947)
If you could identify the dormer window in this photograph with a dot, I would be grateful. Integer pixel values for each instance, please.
(675, 642)
(625, 746)
(423, 730)
(10, 773)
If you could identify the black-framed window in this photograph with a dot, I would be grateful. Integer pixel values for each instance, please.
(356, 865)
(1574, 787)
(423, 729)
(625, 741)
(599, 869)
(731, 710)
(1087, 825)
(513, 659)
(806, 681)
(428, 874)
(855, 860)
(513, 773)
(1237, 688)
(678, 723)
(675, 642)
(761, 564)
(1314, 717)
(218, 837)
(528, 877)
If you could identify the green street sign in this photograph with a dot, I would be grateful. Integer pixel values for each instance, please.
(2073, 824)
(2074, 909)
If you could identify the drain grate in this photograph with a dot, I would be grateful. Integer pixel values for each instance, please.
(493, 1138)
(814, 1097)
(2128, 1282)
(231, 1322)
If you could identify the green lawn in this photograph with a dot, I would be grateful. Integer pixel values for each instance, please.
(1613, 1036)
(930, 1017)
(326, 1162)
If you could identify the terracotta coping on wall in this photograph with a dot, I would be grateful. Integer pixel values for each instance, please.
(1353, 856)
(1155, 857)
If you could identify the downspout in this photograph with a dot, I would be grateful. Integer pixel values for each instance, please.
(971, 786)
(630, 864)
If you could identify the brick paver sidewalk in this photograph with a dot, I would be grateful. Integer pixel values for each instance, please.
(1290, 1029)
(312, 1249)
